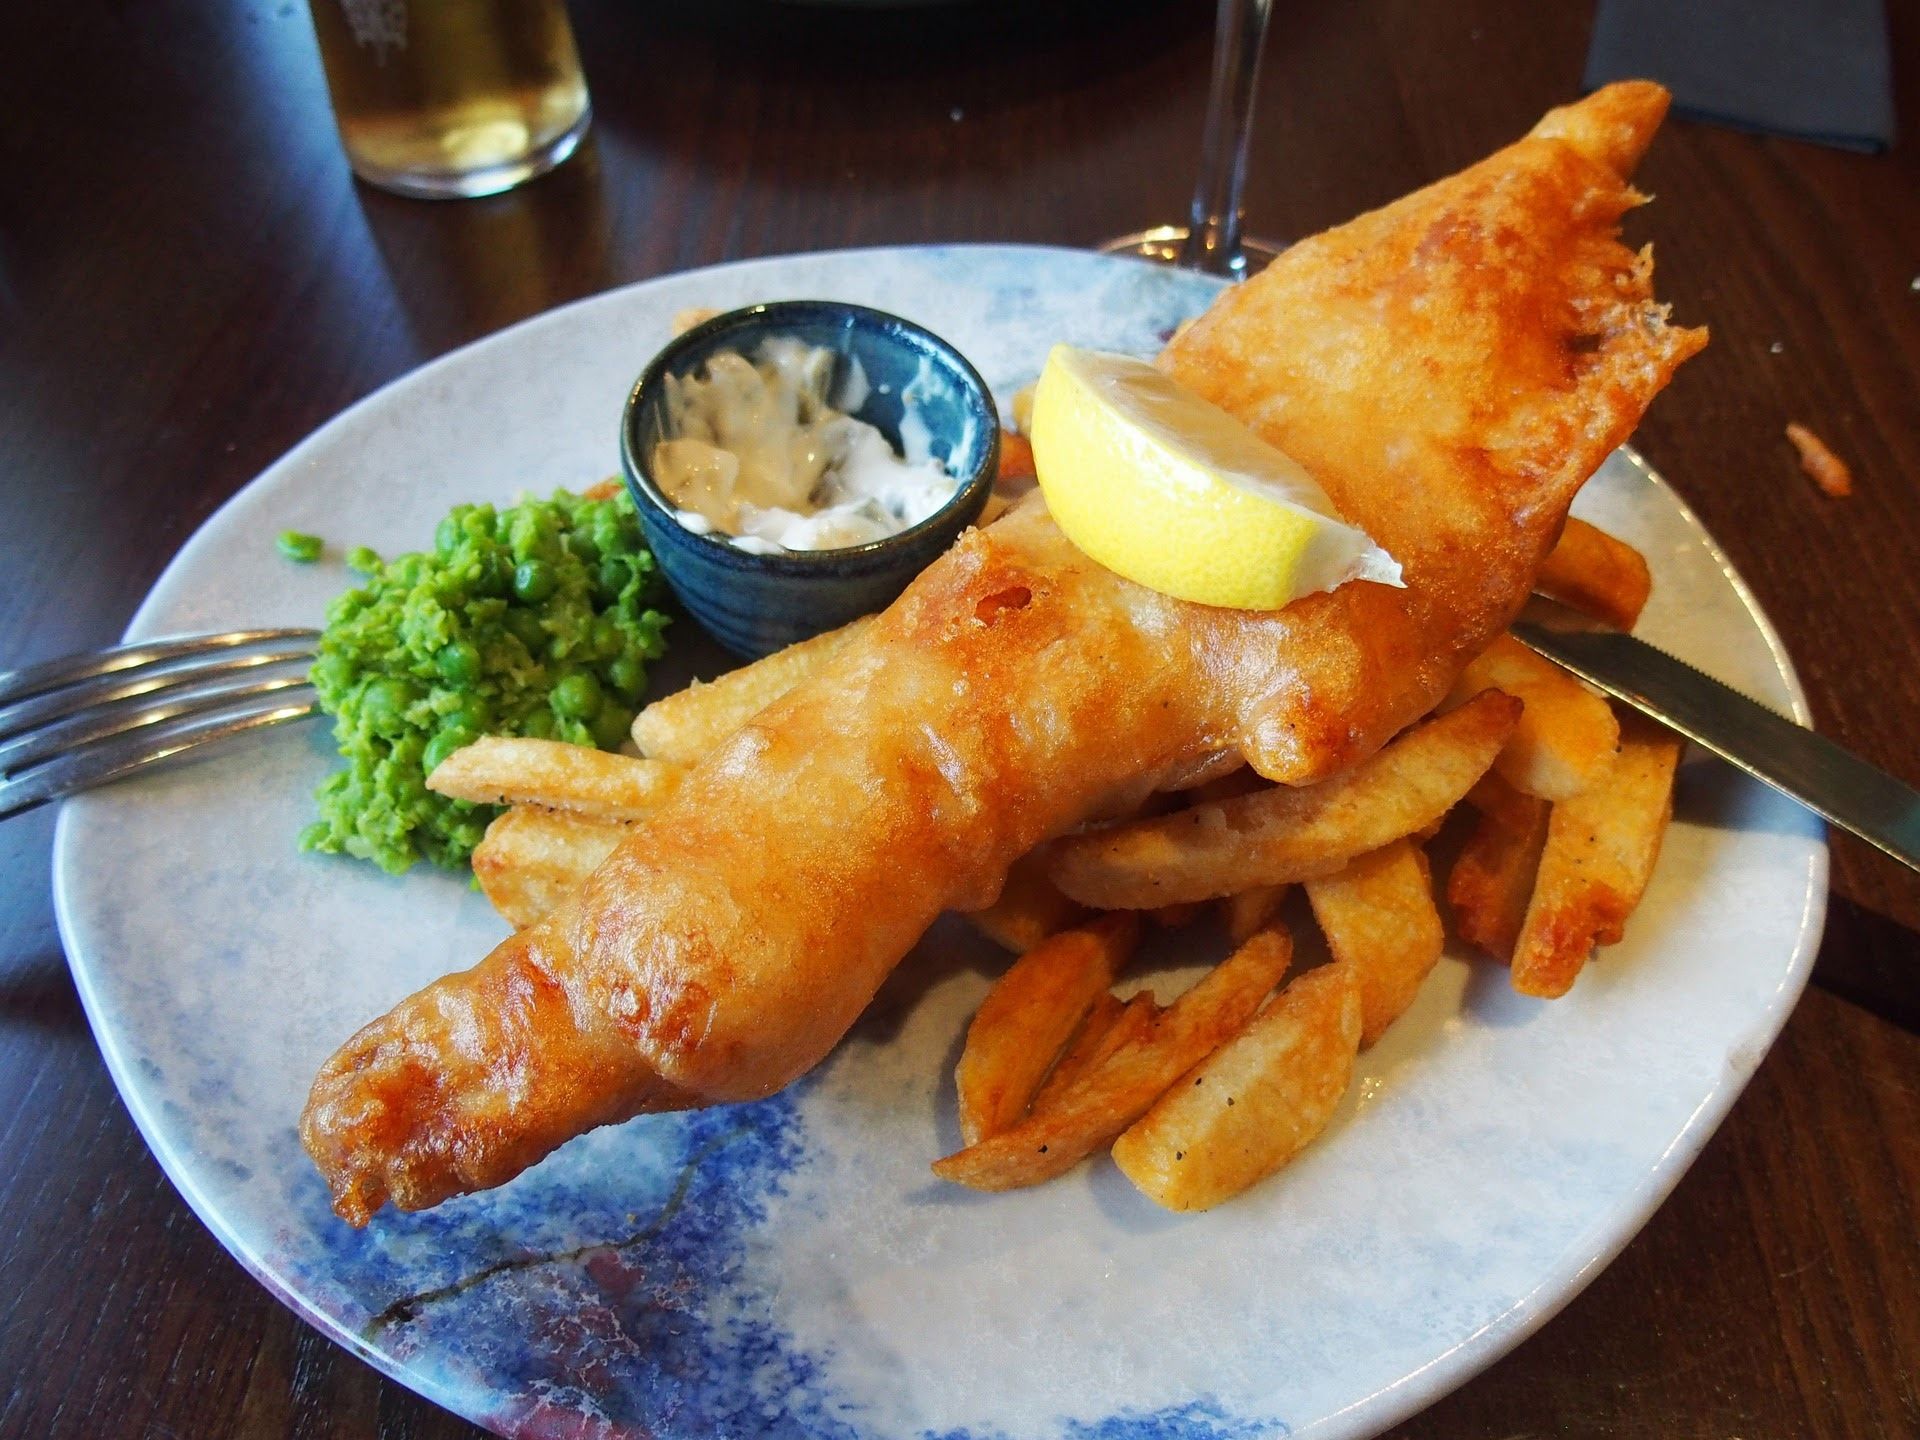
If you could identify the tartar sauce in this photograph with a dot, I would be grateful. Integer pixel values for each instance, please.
(761, 453)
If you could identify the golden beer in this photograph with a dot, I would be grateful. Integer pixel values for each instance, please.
(452, 97)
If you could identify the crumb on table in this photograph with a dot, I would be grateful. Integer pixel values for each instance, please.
(1823, 467)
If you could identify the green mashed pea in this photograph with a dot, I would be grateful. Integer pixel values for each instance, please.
(533, 620)
(298, 547)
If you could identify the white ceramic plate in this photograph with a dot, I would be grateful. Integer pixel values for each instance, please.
(791, 1267)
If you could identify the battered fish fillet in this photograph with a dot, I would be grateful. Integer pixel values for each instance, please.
(1450, 368)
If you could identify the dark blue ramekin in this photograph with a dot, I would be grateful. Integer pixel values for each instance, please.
(756, 604)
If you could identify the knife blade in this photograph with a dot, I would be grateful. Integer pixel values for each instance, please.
(1834, 784)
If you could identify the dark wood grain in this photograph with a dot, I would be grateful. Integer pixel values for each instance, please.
(189, 282)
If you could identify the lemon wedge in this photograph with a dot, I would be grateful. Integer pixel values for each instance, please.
(1171, 491)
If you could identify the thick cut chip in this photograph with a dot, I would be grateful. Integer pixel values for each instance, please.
(533, 859)
(683, 727)
(1101, 1016)
(1021, 409)
(1111, 1024)
(1251, 910)
(1029, 909)
(1016, 457)
(1382, 926)
(1566, 737)
(1596, 574)
(600, 784)
(1599, 854)
(1492, 878)
(1013, 479)
(1513, 808)
(1028, 1017)
(1097, 1107)
(1287, 833)
(1255, 1103)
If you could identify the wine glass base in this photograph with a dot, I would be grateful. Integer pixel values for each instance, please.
(1167, 245)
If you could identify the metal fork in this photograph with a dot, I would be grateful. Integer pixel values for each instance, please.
(82, 720)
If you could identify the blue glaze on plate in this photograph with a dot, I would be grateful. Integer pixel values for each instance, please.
(791, 1267)
(1195, 1420)
(753, 603)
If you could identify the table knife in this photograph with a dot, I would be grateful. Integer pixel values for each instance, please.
(1826, 779)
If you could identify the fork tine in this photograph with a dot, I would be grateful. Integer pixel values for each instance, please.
(100, 722)
(176, 669)
(116, 756)
(66, 670)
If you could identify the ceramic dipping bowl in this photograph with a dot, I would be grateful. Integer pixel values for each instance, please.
(757, 603)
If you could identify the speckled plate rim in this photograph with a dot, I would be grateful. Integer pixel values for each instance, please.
(1366, 1415)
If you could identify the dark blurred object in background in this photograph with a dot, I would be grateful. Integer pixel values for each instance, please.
(1817, 70)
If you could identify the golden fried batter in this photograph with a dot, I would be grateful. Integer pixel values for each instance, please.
(1450, 368)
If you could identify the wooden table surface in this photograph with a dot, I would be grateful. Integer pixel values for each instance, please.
(190, 282)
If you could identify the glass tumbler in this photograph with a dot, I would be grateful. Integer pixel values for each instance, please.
(444, 98)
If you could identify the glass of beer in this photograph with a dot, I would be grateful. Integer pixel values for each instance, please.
(443, 98)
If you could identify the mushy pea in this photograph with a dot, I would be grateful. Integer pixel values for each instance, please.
(532, 620)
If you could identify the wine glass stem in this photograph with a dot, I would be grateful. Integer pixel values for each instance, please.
(1213, 239)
